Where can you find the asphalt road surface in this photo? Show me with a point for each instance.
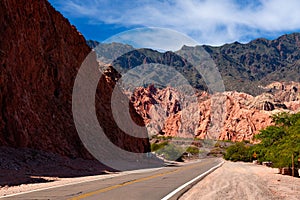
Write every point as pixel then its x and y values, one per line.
pixel 140 185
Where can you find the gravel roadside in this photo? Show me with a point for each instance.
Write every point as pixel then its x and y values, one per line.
pixel 245 181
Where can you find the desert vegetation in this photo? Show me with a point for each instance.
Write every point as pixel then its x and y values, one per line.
pixel 277 143
pixel 174 148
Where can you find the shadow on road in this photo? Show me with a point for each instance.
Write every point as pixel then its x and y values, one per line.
pixel 23 166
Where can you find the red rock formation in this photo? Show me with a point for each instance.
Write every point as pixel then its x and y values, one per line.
pixel 293 106
pixel 239 121
pixel 233 116
pixel 40 54
pixel 285 91
pixel 166 116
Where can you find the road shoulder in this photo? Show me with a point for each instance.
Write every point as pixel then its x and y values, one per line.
pixel 245 181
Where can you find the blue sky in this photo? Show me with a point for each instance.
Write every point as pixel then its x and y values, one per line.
pixel 213 22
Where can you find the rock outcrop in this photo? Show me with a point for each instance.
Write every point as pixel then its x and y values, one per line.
pixel 40 54
pixel 227 116
pixel 284 91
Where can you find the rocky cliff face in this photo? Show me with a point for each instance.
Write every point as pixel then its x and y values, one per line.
pixel 117 135
pixel 157 117
pixel 233 116
pixel 40 54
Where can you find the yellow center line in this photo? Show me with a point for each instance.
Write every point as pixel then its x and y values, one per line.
pixel 127 183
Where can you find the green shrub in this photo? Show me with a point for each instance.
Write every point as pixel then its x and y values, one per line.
pixel 192 150
pixel 157 146
pixel 171 152
pixel 238 152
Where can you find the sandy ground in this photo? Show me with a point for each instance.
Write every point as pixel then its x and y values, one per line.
pixel 245 181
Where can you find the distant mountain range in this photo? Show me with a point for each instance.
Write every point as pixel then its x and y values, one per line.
pixel 243 67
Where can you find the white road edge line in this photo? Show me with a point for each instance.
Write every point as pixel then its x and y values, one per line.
pixel 191 181
pixel 68 184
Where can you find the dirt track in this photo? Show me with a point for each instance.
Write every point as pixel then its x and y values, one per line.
pixel 245 181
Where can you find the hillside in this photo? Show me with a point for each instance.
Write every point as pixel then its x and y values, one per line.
pixel 260 62
pixel 243 67
pixel 261 78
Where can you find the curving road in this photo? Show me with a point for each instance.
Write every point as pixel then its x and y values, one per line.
pixel 141 184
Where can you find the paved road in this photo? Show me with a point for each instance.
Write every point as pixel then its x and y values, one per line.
pixel 149 184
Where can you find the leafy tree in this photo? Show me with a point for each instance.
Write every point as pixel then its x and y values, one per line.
pixel 277 143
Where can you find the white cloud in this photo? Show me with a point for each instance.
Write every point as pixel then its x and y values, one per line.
pixel 207 21
pixel 161 39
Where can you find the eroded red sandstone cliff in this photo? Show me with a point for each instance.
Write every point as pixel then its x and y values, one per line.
pixel 40 54
pixel 232 116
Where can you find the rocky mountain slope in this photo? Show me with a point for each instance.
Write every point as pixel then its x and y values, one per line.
pixel 40 54
pixel 225 116
pixel 246 69
pixel 260 62
pixel 243 67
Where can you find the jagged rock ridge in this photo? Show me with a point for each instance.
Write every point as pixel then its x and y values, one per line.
pixel 239 116
pixel 243 67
